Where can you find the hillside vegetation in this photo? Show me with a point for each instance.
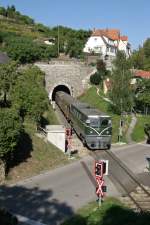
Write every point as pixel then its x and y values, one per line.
pixel 23 39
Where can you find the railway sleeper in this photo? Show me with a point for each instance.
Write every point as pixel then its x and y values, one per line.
pixel 140 190
pixel 129 203
pixel 140 195
pixel 143 203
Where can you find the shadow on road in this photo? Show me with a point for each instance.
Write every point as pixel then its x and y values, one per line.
pixel 35 204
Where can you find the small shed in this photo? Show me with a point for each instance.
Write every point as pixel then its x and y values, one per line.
pixel 56 134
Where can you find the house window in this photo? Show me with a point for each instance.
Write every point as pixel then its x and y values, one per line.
pixel 112 49
pixel 106 57
pixel 107 49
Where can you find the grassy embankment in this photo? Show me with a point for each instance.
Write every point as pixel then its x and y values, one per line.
pixel 93 99
pixel 112 212
pixel 34 154
pixel 138 133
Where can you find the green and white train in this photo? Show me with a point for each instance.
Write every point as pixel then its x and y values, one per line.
pixel 92 126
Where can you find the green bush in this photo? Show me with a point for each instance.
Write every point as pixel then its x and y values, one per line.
pixel 95 79
pixel 25 50
pixel 29 95
pixel 10 131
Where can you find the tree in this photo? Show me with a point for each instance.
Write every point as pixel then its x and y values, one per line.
pixel 29 95
pixel 8 75
pixel 121 92
pixel 101 73
pixel 95 79
pixel 11 11
pixel 137 59
pixel 25 50
pixel 10 131
pixel 141 57
pixel 142 97
pixel 146 48
pixel 71 42
pixel 2 11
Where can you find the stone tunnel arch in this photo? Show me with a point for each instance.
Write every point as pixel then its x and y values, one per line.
pixel 59 87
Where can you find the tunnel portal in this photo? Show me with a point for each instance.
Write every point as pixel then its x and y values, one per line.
pixel 60 88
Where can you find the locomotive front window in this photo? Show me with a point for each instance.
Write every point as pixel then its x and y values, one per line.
pixel 106 122
pixel 94 122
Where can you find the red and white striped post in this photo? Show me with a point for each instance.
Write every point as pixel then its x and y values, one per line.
pixel 69 140
pixel 99 172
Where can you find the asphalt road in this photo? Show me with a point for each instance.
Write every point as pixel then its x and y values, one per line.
pixel 53 196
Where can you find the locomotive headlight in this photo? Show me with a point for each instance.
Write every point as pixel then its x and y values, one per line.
pixel 107 132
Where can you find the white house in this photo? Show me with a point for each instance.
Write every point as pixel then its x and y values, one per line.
pixel 50 41
pixel 106 42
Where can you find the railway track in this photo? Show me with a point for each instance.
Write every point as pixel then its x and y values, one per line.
pixel 134 194
pixel 76 142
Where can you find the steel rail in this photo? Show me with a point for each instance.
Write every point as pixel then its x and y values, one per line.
pixel 95 155
pixel 124 167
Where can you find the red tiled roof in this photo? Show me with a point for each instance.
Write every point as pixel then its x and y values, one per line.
pixel 113 34
pixel 124 38
pixel 142 74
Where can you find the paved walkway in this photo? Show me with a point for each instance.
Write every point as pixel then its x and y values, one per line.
pixel 130 129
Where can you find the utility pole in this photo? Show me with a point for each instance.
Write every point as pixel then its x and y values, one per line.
pixel 58 41
pixel 120 123
pixel 121 108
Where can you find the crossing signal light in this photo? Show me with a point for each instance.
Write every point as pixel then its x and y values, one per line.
pixel 105 166
pixel 98 169
pixel 104 188
pixel 68 131
pixel 101 168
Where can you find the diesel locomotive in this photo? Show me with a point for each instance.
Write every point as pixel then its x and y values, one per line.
pixel 92 126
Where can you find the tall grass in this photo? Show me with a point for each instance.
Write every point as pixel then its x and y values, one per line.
pixel 138 133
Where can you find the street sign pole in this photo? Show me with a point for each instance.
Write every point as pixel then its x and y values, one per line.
pixel 100 169
pixel 99 202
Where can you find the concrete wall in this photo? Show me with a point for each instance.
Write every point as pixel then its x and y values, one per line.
pixel 56 135
pixel 73 75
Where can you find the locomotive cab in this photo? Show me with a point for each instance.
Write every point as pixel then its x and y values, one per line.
pixel 98 132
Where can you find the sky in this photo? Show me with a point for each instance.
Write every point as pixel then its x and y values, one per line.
pixel 132 17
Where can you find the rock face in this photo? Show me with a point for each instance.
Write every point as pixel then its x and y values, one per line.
pixel 71 74
pixel 2 171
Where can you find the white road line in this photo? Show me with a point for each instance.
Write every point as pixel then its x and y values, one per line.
pixel 27 220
